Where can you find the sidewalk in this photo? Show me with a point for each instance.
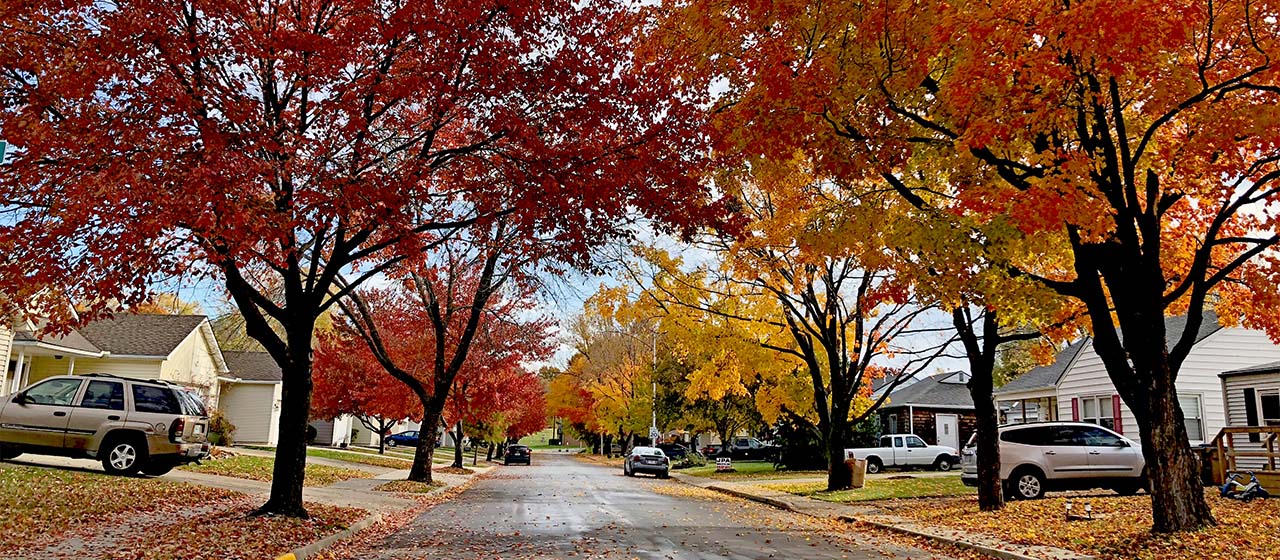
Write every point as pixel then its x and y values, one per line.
pixel 870 515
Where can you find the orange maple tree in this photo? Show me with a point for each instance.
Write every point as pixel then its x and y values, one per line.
pixel 348 380
pixel 1134 143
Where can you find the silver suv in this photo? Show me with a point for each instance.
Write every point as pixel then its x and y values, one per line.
pixel 1045 456
pixel 130 425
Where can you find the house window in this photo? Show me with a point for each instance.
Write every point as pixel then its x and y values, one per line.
pixel 1270 407
pixel 1192 416
pixel 1098 410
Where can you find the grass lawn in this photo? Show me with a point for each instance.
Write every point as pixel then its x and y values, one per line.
pixel 259 468
pixel 882 489
pixel 362 458
pixel 1122 529
pixel 40 504
pixel 744 470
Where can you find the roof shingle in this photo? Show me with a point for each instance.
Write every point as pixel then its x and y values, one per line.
pixel 141 334
pixel 934 390
pixel 253 366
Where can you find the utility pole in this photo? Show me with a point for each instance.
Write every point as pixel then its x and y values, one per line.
pixel 654 434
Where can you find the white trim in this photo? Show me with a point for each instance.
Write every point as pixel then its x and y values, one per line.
pixel 56 348
pixel 246 381
pixel 206 329
pixel 135 357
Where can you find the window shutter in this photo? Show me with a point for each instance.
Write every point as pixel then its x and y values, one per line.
pixel 1251 412
pixel 1075 409
pixel 1115 413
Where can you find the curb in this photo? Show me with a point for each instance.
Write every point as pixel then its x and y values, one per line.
pixel 899 528
pixel 959 543
pixel 310 550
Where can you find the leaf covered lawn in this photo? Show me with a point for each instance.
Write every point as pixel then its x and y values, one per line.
pixel 410 487
pixel 235 535
pixel 747 470
pixel 1244 531
pixel 362 458
pixel 881 489
pixel 259 468
pixel 40 504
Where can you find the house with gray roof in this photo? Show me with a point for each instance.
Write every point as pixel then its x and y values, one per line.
pixel 250 396
pixel 937 408
pixel 1223 363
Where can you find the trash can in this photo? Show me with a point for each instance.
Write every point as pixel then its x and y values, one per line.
pixel 857 472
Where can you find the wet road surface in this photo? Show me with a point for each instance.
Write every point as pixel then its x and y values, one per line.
pixel 561 507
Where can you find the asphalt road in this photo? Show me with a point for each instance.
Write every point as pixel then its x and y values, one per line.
pixel 561 507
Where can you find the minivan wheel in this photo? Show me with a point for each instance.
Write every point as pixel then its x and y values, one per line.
pixel 123 455
pixel 1028 485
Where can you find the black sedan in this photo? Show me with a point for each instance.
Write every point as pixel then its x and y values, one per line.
pixel 673 451
pixel 518 454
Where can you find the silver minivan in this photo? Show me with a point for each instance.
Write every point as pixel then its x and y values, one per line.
pixel 1038 457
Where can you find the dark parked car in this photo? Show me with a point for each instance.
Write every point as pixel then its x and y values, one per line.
pixel 752 449
pixel 409 439
pixel 673 451
pixel 711 450
pixel 646 460
pixel 518 454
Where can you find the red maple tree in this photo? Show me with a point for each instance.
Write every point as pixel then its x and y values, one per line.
pixel 348 380
pixel 278 145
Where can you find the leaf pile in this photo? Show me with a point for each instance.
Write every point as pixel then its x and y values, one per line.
pixel 260 469
pixel 41 504
pixel 235 535
pixel 454 470
pixel 1245 530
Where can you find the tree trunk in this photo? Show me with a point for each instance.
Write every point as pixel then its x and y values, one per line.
pixel 982 363
pixel 289 472
pixel 457 446
pixel 382 437
pixel 421 470
pixel 1177 494
pixel 839 477
pixel 608 445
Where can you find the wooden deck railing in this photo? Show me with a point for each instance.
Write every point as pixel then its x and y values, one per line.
pixel 1228 450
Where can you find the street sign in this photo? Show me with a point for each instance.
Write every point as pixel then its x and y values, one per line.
pixel 654 434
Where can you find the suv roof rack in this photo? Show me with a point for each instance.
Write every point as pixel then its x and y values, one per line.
pixel 132 379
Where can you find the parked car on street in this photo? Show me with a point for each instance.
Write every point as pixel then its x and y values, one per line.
pixel 752 449
pixel 518 454
pixel 673 451
pixel 905 451
pixel 712 450
pixel 1038 457
pixel 647 460
pixel 408 439
pixel 129 425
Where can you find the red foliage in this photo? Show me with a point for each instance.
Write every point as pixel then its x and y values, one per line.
pixel 348 380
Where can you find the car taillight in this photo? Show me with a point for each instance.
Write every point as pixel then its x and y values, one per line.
pixel 179 427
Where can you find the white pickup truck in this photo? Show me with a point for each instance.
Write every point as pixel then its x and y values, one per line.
pixel 905 451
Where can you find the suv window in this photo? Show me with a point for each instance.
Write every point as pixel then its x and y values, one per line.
pixel 54 392
pixel 159 400
pixel 1067 436
pixel 1098 438
pixel 741 442
pixel 1027 436
pixel 192 403
pixel 105 395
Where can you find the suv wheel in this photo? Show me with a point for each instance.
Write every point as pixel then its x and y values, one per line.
pixel 8 452
pixel 1027 484
pixel 123 455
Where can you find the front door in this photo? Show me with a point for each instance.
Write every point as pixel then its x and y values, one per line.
pixel 948 427
pixel 1065 453
pixel 1109 455
pixel 39 415
pixel 917 454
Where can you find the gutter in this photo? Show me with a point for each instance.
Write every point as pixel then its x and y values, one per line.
pixel 247 381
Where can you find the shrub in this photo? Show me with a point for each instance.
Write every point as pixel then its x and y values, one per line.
pixel 693 459
pixel 221 430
